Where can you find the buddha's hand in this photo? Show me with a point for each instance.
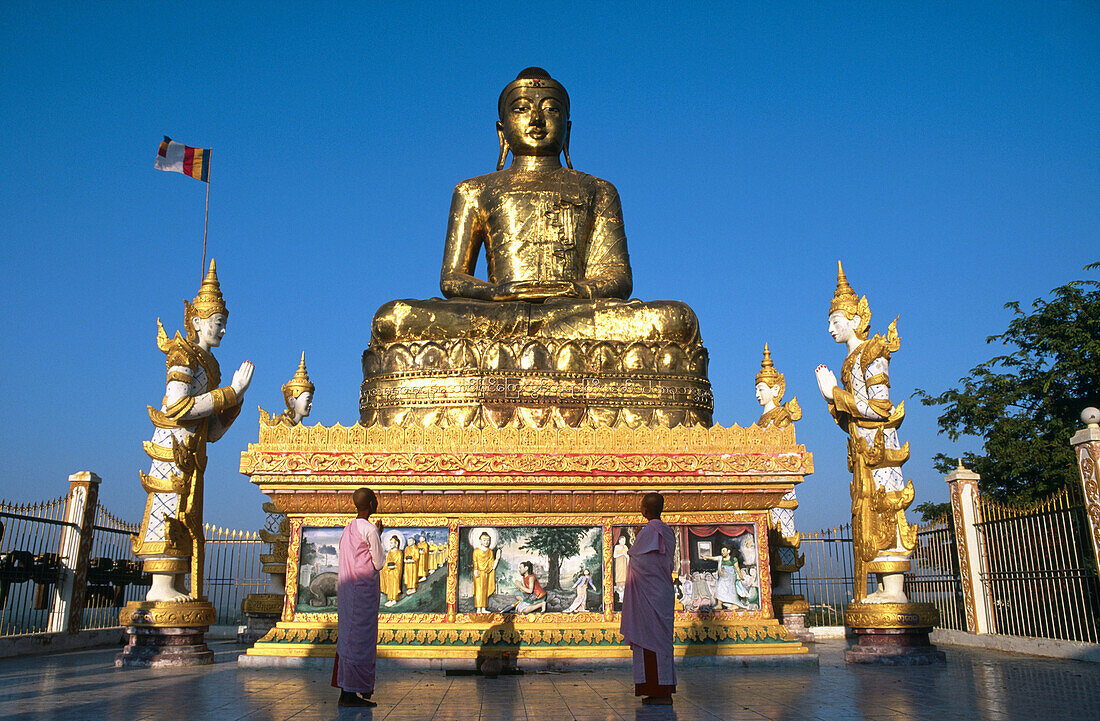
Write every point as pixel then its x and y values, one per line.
pixel 242 377
pixel 826 382
pixel 535 290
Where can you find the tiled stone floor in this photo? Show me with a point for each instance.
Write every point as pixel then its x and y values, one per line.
pixel 84 685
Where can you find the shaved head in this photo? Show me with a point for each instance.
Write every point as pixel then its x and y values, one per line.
pixel 652 505
pixel 365 500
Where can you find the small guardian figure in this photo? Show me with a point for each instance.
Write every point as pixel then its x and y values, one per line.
pixel 786 560
pixel 196 409
pixel 861 406
pixel 770 386
pixel 298 396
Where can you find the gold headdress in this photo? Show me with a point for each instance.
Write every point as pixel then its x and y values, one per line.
pixel 208 302
pixel 847 302
pixel 299 384
pixel 769 376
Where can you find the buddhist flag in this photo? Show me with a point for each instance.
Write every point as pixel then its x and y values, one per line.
pixel 180 158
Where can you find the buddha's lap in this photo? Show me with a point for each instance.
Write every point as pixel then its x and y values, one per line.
pixel 602 319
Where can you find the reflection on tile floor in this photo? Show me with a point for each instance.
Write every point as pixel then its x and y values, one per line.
pixel 84 685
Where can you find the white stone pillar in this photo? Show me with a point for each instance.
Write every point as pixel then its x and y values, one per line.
pixel 67 606
pixel 1086 446
pixel 964 510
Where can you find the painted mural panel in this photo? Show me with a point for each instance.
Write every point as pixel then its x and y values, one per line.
pixel 413 577
pixel 530 569
pixel 717 567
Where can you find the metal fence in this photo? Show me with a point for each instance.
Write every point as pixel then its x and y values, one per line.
pixel 31 568
pixel 1036 569
pixel 232 571
pixel 114 572
pixel 935 575
pixel 826 579
pixel 29 565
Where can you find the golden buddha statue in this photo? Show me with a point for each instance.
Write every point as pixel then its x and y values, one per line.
pixel 550 336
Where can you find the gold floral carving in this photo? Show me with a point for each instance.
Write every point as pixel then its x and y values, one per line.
pixel 163 614
pixel 965 570
pixel 696 439
pixel 350 462
pixel 524 501
pixel 270 604
pixel 891 615
pixel 1088 462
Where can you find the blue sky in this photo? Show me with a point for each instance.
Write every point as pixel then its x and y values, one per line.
pixel 948 153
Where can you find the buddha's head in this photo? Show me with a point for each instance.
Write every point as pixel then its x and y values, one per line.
pixel 298 392
pixel 849 314
pixel 770 384
pixel 485 539
pixel 533 113
pixel 394 543
pixel 205 317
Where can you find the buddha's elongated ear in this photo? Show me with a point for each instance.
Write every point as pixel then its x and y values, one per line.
pixel 503 146
pixel 565 145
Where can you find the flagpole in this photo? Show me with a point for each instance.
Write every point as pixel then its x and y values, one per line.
pixel 205 224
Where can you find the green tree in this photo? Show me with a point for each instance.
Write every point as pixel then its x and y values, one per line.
pixel 1026 403
pixel 930 511
pixel 558 543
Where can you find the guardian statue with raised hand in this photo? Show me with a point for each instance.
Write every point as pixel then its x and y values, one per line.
pixel 861 406
pixel 196 409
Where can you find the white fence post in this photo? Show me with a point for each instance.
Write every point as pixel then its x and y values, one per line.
pixel 67 606
pixel 1086 446
pixel 964 510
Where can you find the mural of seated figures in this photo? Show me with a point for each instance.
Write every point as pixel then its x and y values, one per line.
pixel 530 569
pixel 718 568
pixel 413 577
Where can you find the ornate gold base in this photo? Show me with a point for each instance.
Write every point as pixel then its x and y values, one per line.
pixel 891 615
pixel 163 614
pixel 784 605
pixel 534 639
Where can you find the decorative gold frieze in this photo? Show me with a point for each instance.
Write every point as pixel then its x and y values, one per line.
pixel 891 615
pixel 167 614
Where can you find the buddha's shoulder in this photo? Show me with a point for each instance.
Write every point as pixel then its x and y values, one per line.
pixel 507 179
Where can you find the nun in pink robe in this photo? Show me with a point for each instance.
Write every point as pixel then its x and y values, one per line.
pixel 648 606
pixel 357 598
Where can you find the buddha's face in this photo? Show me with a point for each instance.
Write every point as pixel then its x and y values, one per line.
pixel 765 393
pixel 841 327
pixel 302 404
pixel 209 331
pixel 484 540
pixel 393 542
pixel 534 122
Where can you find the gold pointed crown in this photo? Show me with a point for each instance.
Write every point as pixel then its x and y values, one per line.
pixel 299 384
pixel 208 302
pixel 769 375
pixel 847 302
